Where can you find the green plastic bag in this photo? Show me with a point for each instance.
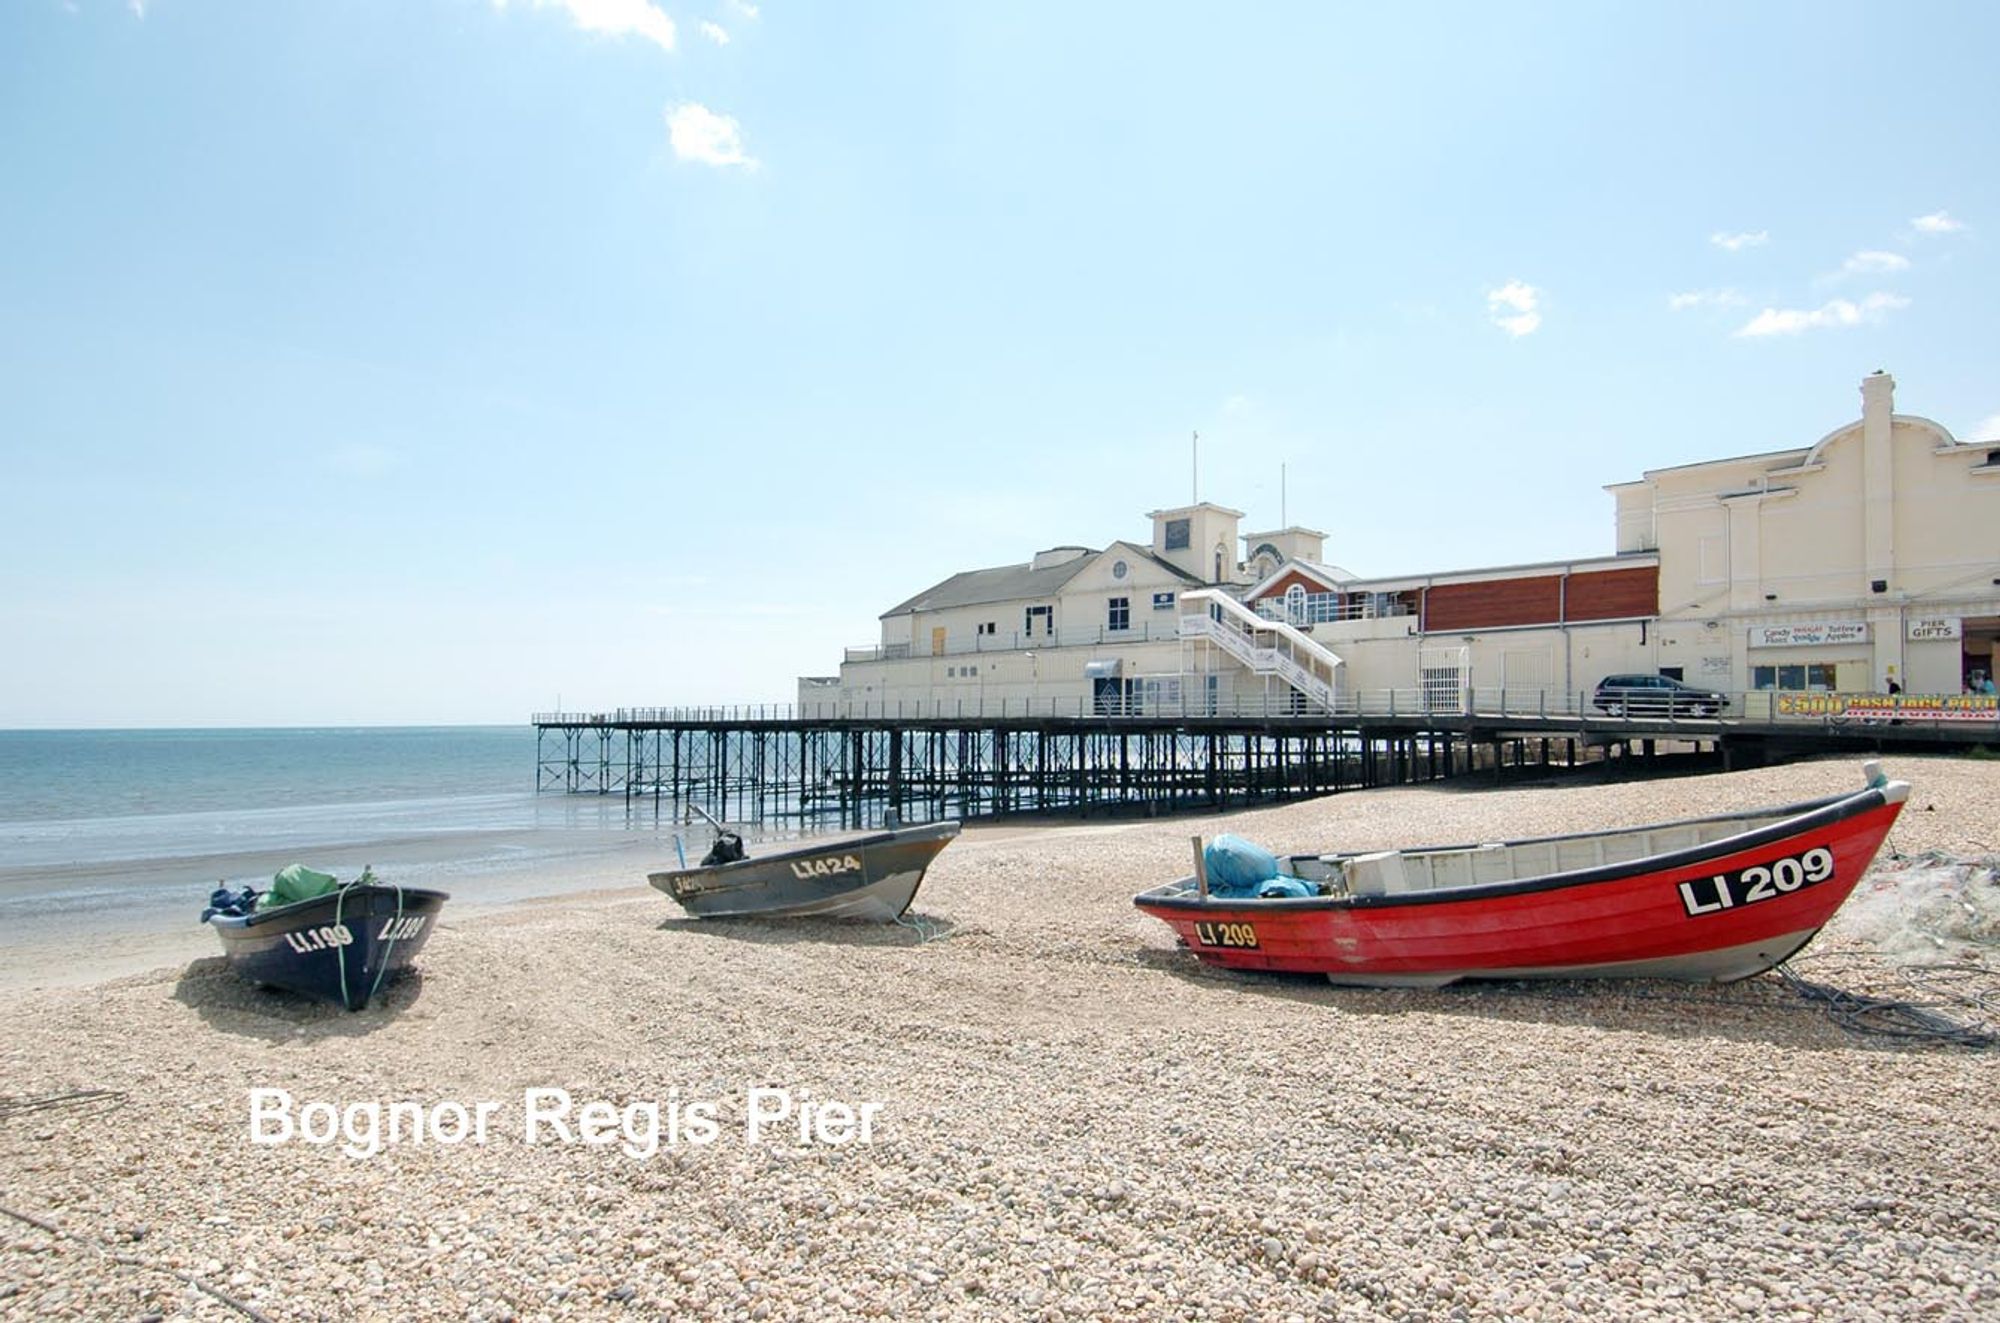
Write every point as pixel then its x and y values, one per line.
pixel 297 883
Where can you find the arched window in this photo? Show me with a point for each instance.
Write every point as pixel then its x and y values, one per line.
pixel 1295 604
pixel 1220 552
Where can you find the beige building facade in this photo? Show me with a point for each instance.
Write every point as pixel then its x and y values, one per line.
pixel 1869 556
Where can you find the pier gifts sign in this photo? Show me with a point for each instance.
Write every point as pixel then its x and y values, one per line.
pixel 1923 629
pixel 1825 633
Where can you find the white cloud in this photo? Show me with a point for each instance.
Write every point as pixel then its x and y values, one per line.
pixel 1989 430
pixel 745 8
pixel 1874 262
pixel 138 8
pixel 1839 312
pixel 616 18
pixel 700 134
pixel 715 32
pixel 1705 298
pixel 1938 222
pixel 1736 243
pixel 1514 308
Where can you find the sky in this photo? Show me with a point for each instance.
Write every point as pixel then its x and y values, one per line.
pixel 444 361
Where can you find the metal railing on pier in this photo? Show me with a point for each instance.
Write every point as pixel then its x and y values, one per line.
pixel 1478 703
pixel 1164 629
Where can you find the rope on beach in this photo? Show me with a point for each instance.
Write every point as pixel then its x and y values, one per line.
pixel 133 1261
pixel 925 930
pixel 77 1098
pixel 1895 1017
pixel 1975 987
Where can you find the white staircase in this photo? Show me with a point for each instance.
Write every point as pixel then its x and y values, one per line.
pixel 1266 647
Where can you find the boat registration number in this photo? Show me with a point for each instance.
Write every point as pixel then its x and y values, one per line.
pixel 826 866
pixel 308 940
pixel 1780 877
pixel 1225 934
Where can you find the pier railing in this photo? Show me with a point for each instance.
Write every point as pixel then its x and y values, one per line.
pixel 1833 710
pixel 1142 630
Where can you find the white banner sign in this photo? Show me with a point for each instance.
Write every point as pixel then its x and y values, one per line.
pixel 1824 634
pixel 1934 627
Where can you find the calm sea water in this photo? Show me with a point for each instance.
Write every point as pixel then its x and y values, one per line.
pixel 80 797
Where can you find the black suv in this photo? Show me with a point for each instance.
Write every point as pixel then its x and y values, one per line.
pixel 1655 696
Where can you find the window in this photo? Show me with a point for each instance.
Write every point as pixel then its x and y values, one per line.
pixel 1045 614
pixel 1177 534
pixel 986 627
pixel 1118 569
pixel 1120 615
pixel 1798 677
pixel 1163 601
pixel 1295 604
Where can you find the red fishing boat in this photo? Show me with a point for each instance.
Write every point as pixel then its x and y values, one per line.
pixel 1705 900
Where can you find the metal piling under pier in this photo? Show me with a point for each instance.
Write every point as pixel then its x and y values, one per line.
pixel 851 773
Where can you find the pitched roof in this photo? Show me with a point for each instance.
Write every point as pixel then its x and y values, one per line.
pixel 1332 576
pixel 1003 583
pixel 1008 583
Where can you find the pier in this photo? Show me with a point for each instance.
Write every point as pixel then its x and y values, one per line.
pixel 778 767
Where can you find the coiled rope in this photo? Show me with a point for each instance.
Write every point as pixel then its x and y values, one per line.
pixel 1928 1020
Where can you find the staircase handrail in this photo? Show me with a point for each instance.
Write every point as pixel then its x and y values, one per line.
pixel 1249 620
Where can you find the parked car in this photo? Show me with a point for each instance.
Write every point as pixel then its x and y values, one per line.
pixel 1656 696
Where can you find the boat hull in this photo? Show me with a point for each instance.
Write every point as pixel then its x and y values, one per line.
pixel 871 878
pixel 1709 914
pixel 338 948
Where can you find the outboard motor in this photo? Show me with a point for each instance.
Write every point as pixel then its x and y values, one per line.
pixel 728 848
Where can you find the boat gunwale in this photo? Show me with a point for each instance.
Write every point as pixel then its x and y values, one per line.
pixel 1798 819
pixel 257 918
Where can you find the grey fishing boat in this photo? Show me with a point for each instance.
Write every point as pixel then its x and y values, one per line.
pixel 872 876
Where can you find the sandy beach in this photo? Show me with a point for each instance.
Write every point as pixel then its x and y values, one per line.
pixel 1072 1118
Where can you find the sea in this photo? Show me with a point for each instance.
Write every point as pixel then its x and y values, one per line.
pixel 97 796
pixel 121 819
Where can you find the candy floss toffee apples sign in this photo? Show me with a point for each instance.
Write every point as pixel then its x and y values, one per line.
pixel 638 1129
pixel 1823 634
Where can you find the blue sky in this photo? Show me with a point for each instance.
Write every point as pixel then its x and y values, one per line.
pixel 413 361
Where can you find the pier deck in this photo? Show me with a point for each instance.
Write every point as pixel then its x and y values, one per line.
pixel 771 765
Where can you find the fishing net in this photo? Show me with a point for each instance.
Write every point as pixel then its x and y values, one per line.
pixel 1926 909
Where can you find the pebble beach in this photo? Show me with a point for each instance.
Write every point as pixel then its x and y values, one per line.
pixel 1073 1118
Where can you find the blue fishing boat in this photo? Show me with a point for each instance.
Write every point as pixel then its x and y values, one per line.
pixel 334 943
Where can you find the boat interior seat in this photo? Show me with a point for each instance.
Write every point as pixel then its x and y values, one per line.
pixel 1378 874
pixel 1389 872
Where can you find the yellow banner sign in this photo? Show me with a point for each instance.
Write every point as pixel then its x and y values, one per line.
pixel 1887 707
